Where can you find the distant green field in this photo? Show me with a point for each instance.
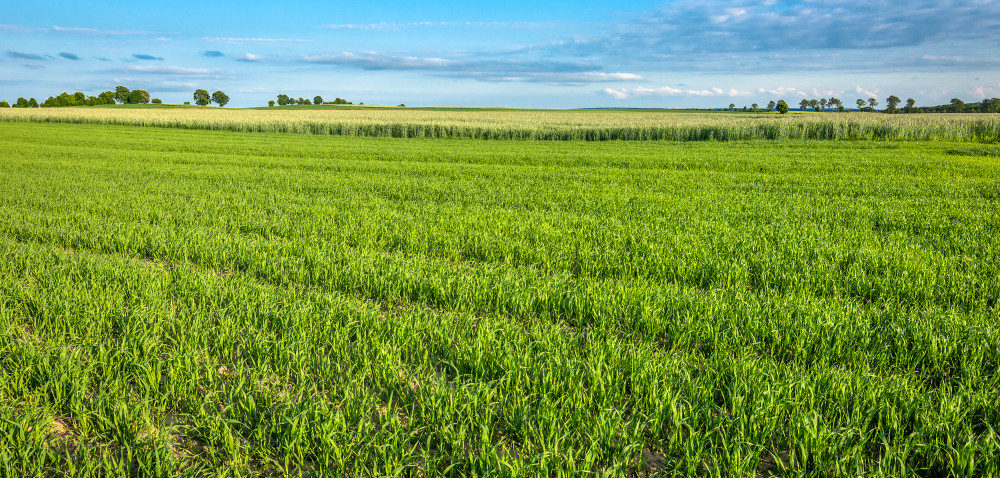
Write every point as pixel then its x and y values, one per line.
pixel 213 303
pixel 524 124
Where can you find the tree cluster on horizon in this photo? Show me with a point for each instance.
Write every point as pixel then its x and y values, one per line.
pixel 892 106
pixel 202 98
pixel 285 100
pixel 121 95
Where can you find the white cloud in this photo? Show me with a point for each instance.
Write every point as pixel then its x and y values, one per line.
pixel 626 93
pixel 873 93
pixel 784 91
pixel 982 92
pixel 824 93
pixel 617 94
pixel 250 57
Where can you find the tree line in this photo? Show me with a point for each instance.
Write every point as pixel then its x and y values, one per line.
pixel 988 105
pixel 284 100
pixel 780 106
pixel 893 102
pixel 121 95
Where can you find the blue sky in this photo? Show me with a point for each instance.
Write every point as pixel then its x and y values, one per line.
pixel 675 54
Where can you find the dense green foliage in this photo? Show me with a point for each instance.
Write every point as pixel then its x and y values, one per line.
pixel 197 302
pixel 988 105
pixel 201 97
pixel 137 97
pixel 220 98
pixel 285 100
pixel 123 96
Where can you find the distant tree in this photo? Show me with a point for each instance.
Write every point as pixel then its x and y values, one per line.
pixel 822 104
pixel 990 105
pixel 156 101
pixel 835 102
pixel 201 97
pixel 4 104
pixel 283 100
pixel 318 100
pixel 957 105
pixel 770 105
pixel 108 97
pixel 891 104
pixel 814 104
pixel 401 105
pixel 782 107
pixel 138 97
pixel 32 103
pixel 187 102
pixel 270 103
pixel 861 104
pixel 732 106
pixel 22 102
pixel 872 102
pixel 220 98
pixel 754 107
pixel 121 94
pixel 804 104
pixel 302 101
pixel 306 101
pixel 60 100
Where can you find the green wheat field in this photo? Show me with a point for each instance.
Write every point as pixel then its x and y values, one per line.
pixel 187 293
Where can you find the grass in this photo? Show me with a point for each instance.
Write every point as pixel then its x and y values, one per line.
pixel 188 302
pixel 979 151
pixel 549 125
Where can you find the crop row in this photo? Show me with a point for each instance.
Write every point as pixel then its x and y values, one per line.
pixel 540 125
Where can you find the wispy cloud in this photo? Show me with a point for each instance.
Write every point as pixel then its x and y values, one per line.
pixel 24 56
pixel 391 26
pixel 250 57
pixel 102 33
pixel 8 28
pixel 568 78
pixel 172 70
pixel 143 56
pixel 156 86
pixel 213 54
pixel 370 60
pixel 69 56
pixel 262 41
pixel 626 93
pixel 491 70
